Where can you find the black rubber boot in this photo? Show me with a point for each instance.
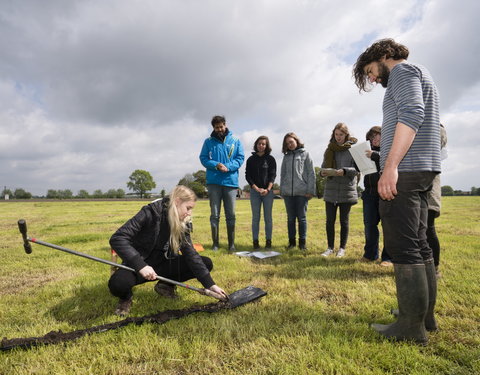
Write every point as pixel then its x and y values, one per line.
pixel 231 238
pixel 430 322
pixel 302 244
pixel 268 244
pixel 291 243
pixel 412 297
pixel 256 245
pixel 214 238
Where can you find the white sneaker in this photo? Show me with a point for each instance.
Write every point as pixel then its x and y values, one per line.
pixel 327 252
pixel 341 252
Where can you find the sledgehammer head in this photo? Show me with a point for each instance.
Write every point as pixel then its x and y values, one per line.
pixel 22 227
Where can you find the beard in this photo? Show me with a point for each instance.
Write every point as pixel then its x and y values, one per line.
pixel 383 74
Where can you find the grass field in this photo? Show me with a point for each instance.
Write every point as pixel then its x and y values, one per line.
pixel 314 320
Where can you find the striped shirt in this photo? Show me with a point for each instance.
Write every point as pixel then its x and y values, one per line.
pixel 412 98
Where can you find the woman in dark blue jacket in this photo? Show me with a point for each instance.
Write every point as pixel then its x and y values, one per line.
pixel 151 243
pixel 260 174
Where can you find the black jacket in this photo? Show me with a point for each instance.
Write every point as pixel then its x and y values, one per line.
pixel 261 170
pixel 144 240
pixel 370 181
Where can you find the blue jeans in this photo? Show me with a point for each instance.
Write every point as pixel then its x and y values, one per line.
pixel 296 207
pixel 404 219
pixel 256 202
pixel 217 194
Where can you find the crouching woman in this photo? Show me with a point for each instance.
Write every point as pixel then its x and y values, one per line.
pixel 151 243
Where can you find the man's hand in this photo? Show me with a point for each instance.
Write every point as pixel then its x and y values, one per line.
pixel 340 172
pixel 387 185
pixel 148 273
pixel 222 167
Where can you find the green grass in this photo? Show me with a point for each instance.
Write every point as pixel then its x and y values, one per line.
pixel 314 320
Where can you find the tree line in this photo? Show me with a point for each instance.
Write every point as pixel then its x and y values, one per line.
pixel 141 183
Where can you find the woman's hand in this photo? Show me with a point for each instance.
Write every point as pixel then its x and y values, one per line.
pixel 309 196
pixel 340 172
pixel 216 289
pixel 148 273
pixel 323 173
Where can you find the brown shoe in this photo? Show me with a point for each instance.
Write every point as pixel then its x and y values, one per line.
pixel 166 290
pixel 123 307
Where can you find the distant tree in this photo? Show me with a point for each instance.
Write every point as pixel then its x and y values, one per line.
pixel 187 180
pixel 97 194
pixel 83 194
pixel 163 193
pixel 247 188
pixel 276 186
pixel 458 192
pixel 52 194
pixel 120 194
pixel 65 194
pixel 140 182
pixel 196 182
pixel 198 189
pixel 111 193
pixel 22 194
pixel 200 176
pixel 475 191
pixel 447 191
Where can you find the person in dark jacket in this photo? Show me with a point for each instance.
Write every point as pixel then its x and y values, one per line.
pixel 260 174
pixel 341 187
pixel 151 242
pixel 370 197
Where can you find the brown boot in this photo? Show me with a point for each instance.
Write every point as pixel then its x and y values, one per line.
pixel 123 307
pixel 166 290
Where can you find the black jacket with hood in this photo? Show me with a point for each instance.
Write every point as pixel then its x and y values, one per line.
pixel 144 240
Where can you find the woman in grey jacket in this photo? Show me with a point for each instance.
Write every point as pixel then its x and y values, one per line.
pixel 340 187
pixel 297 186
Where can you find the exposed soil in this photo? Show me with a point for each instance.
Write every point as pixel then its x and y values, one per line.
pixel 237 298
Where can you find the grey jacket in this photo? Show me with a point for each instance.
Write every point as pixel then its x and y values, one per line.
pixel 342 189
pixel 297 175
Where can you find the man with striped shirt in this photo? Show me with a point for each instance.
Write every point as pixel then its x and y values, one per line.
pixel 409 161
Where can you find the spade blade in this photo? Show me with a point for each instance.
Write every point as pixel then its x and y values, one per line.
pixel 243 296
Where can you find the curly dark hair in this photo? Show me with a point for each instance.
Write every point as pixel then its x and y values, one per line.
pixel 383 47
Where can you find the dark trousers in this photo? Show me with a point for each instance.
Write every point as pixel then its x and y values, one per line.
pixel 404 219
pixel 331 213
pixel 432 237
pixel 122 281
pixel 371 219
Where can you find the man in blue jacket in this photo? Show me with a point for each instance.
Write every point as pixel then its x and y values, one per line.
pixel 222 155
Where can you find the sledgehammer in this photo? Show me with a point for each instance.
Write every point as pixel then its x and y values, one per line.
pixel 22 226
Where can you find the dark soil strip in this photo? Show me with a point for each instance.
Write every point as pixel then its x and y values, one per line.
pixel 237 298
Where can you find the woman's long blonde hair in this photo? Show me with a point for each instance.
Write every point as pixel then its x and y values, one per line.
pixel 178 228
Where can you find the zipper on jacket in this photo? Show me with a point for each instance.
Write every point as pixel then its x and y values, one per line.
pixel 293 169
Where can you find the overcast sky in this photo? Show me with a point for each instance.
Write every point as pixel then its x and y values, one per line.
pixel 92 90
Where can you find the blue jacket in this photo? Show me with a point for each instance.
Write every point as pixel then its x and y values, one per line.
pixel 229 152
